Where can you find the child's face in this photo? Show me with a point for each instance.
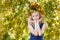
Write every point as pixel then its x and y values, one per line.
pixel 35 16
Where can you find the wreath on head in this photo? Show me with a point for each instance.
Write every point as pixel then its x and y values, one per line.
pixel 36 7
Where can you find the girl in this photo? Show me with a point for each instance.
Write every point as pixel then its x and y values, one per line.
pixel 36 26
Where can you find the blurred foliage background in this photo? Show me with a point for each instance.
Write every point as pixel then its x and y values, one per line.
pixel 14 15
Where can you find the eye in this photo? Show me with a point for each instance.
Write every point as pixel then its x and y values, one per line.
pixel 36 15
pixel 32 16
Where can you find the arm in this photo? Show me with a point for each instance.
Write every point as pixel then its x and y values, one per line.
pixel 41 31
pixel 33 31
pixel 42 18
pixel 45 25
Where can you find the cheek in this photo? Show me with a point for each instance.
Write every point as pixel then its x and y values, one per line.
pixel 37 17
pixel 33 17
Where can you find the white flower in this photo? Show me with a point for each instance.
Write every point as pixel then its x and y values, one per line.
pixel 56 18
pixel 17 6
pixel 2 18
pixel 12 36
pixel 32 0
pixel 58 6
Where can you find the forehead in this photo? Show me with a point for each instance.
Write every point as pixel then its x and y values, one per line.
pixel 35 13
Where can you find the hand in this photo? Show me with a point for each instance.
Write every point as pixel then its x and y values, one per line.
pixel 31 21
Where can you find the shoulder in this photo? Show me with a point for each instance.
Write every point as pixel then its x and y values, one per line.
pixel 45 24
pixel 28 19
